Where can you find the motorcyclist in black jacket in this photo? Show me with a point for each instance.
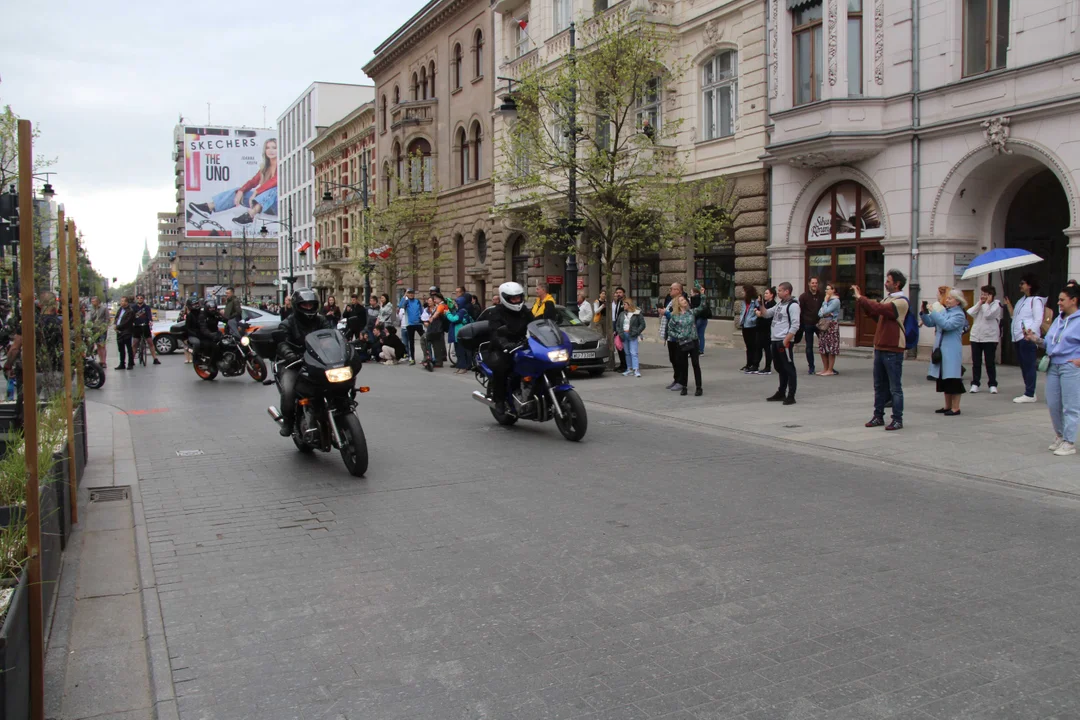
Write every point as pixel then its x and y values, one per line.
pixel 207 330
pixel 508 323
pixel 289 335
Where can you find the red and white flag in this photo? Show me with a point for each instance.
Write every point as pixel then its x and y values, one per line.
pixel 304 248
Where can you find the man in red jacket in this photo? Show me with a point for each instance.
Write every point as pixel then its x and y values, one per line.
pixel 889 348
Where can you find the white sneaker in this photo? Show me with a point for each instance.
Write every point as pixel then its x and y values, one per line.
pixel 1055 445
pixel 974 389
pixel 1067 448
pixel 637 374
pixel 1024 399
pixel 993 390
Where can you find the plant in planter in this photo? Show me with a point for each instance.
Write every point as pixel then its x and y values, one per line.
pixel 14 623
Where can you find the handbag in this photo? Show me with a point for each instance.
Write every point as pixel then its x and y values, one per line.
pixel 1044 363
pixel 618 343
pixel 688 345
pixel 935 357
pixel 596 317
pixel 824 325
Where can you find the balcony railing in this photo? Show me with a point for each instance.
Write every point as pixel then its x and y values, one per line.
pixel 413 112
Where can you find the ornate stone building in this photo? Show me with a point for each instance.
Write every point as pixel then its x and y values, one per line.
pixel 917 145
pixel 721 100
pixel 434 91
pixel 340 155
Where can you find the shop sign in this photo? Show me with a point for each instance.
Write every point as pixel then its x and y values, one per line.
pixel 554 279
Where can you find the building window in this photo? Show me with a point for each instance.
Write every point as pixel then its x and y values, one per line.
pixel 463 156
pixel 481 249
pixel 478 54
pixel 648 108
pixel 423 84
pixel 415 87
pixel 420 166
pixel 714 270
pixel 522 43
pixel 986 35
pixel 720 94
pixel 599 6
pixel 602 133
pixel 854 48
pixel 519 263
pixel 399 163
pixel 386 180
pixel 455 67
pixel 431 79
pixel 808 45
pixel 477 145
pixel 562 15
pixel 644 287
pixel 397 95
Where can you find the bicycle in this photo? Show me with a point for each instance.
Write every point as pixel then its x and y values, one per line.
pixel 140 350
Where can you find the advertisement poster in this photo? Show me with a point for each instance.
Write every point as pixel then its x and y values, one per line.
pixel 855 216
pixel 230 181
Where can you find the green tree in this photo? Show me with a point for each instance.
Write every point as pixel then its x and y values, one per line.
pixel 593 116
pixel 404 225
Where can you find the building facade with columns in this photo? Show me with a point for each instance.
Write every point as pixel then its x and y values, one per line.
pixel 434 81
pixel 343 155
pixel 916 135
pixel 721 102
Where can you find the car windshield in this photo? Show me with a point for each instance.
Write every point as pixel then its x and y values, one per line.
pixel 566 318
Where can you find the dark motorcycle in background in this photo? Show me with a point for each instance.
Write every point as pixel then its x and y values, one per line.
pixel 93 373
pixel 325 412
pixel 235 357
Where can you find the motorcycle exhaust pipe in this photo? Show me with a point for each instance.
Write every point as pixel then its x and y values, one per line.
pixel 482 398
pixel 274 413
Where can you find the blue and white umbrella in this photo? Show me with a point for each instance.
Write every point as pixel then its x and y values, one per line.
pixel 1000 259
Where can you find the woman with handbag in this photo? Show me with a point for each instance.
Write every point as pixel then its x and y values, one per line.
pixel 947 357
pixel 747 321
pixel 633 324
pixel 764 331
pixel 681 330
pixel 1062 366
pixel 828 328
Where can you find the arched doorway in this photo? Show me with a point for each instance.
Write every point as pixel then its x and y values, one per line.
pixel 843 246
pixel 1037 218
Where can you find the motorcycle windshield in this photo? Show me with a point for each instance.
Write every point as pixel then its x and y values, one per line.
pixel 546 333
pixel 326 349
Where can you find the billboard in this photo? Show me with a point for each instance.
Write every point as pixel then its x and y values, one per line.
pixel 230 181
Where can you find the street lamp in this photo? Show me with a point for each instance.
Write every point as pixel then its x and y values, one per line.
pixel 365 264
pixel 288 225
pixel 572 226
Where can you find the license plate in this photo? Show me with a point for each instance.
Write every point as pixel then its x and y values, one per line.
pixel 583 355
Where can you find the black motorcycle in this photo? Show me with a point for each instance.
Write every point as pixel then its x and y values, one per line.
pixel 93 373
pixel 235 357
pixel 325 413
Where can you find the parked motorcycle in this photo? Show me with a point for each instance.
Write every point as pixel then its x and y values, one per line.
pixel 93 373
pixel 235 357
pixel 537 388
pixel 325 413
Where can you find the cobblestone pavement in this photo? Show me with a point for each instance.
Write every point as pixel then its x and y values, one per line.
pixel 654 570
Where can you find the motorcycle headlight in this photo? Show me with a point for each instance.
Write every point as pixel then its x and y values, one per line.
pixel 340 374
pixel 245 341
pixel 558 356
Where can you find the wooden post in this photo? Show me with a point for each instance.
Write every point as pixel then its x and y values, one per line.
pixel 30 413
pixel 65 294
pixel 76 311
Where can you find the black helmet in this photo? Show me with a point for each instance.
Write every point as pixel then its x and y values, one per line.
pixel 305 303
pixel 192 303
pixel 210 304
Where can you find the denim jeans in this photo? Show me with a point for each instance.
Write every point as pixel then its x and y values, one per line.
pixel 888 382
pixel 464 357
pixel 631 346
pixel 785 368
pixel 1063 399
pixel 1025 353
pixel 226 200
pixel 808 338
pixel 980 350
pixel 700 324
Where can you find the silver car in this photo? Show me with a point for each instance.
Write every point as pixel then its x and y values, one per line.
pixel 591 348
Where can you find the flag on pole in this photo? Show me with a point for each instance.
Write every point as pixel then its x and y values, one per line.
pixel 304 248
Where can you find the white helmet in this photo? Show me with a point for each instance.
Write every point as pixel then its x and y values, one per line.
pixel 512 296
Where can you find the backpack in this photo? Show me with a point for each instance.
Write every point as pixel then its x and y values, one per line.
pixel 911 327
pixel 798 333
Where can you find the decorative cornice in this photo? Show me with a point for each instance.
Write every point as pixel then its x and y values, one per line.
pixel 414 31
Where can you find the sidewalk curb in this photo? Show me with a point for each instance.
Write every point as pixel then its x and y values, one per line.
pixel 162 692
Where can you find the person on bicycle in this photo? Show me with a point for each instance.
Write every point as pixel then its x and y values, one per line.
pixel 141 331
pixel 289 335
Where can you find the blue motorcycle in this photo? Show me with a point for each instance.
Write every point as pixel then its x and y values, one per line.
pixel 536 388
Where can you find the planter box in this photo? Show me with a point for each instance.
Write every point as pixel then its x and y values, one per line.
pixel 50 547
pixel 58 478
pixel 10 415
pixel 15 656
pixel 81 449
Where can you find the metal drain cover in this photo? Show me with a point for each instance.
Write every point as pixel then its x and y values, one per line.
pixel 790 427
pixel 188 453
pixel 109 494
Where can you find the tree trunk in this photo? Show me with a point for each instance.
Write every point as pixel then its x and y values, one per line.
pixel 607 319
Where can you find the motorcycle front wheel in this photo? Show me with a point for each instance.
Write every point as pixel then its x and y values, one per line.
pixel 354 450
pixel 256 368
pixel 574 421
pixel 93 375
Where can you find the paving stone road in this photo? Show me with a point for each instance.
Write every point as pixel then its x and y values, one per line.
pixel 651 571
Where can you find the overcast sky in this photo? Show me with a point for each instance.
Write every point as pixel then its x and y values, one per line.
pixel 105 82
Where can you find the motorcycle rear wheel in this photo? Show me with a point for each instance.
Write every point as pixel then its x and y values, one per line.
pixel 204 369
pixel 503 418
pixel 575 421
pixel 256 368
pixel 354 451
pixel 93 375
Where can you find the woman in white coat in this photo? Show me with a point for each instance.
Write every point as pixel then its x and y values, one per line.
pixel 985 336
pixel 1027 315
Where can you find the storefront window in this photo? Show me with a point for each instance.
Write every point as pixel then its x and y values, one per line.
pixel 644 287
pixel 715 273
